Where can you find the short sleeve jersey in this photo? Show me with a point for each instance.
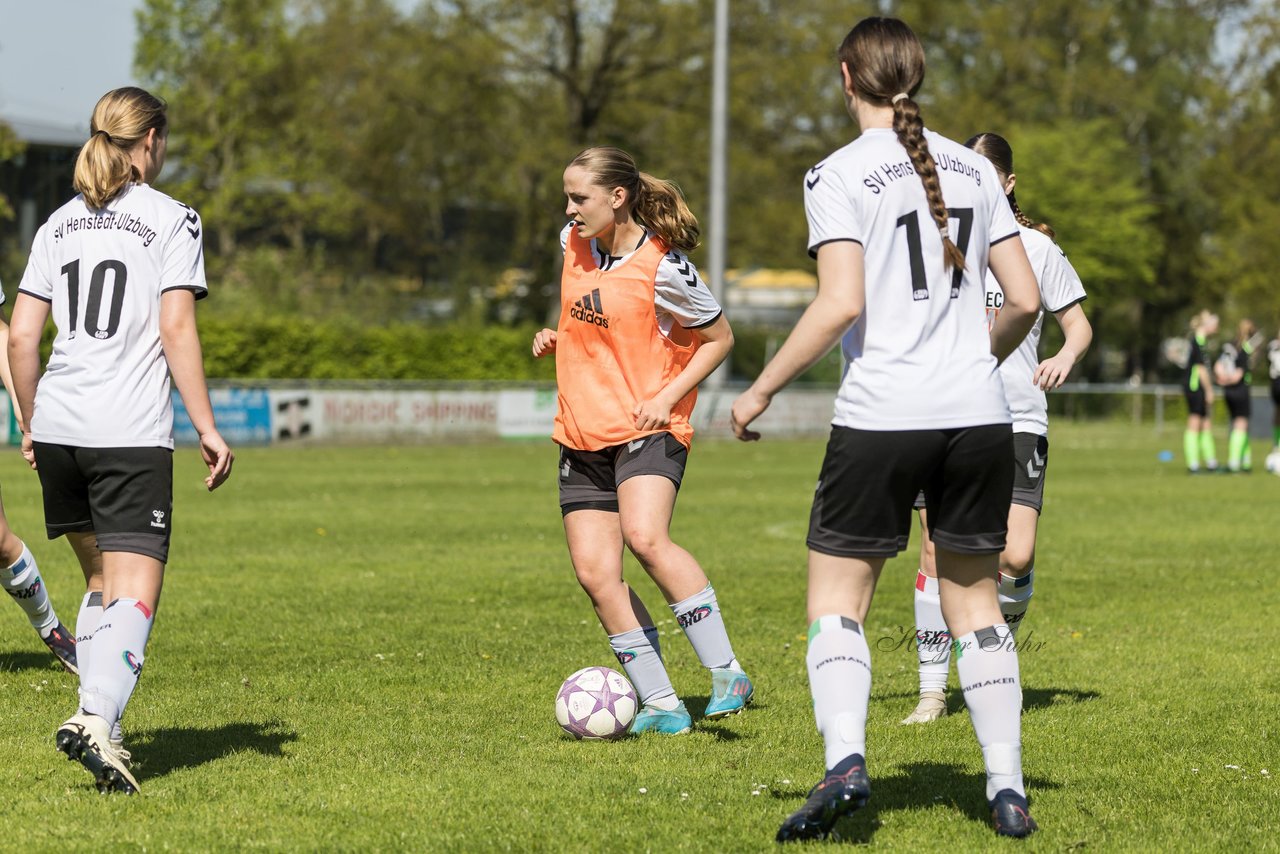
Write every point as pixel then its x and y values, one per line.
pixel 680 295
pixel 1060 288
pixel 1237 357
pixel 102 271
pixel 919 357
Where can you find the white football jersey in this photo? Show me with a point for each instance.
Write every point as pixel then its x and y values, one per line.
pixel 679 293
pixel 1273 359
pixel 107 381
pixel 1060 288
pixel 919 357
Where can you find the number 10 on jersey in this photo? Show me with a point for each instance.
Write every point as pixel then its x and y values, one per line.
pixel 97 283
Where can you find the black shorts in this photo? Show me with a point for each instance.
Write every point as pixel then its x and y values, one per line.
pixel 1030 460
pixel 870 479
pixel 589 480
pixel 1275 391
pixel 1237 398
pixel 123 495
pixel 1196 402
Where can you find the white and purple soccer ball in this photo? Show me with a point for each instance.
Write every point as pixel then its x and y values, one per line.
pixel 596 703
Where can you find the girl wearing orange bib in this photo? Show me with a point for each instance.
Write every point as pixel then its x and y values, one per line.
pixel 638 331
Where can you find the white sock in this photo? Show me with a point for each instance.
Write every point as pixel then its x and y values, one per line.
pixel 24 584
pixel 933 641
pixel 1015 596
pixel 840 680
pixel 638 653
pixel 119 650
pixel 987 664
pixel 699 616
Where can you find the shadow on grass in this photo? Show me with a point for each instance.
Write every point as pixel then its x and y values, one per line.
pixel 161 751
pixel 16 661
pixel 1032 698
pixel 919 785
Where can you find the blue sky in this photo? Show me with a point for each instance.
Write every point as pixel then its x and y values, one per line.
pixel 57 57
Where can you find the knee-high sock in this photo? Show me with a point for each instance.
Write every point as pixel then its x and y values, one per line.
pixel 1191 449
pixel 1208 449
pixel 987 664
pixel 1015 596
pixel 699 616
pixel 1236 445
pixel 840 679
pixel 24 584
pixel 86 624
pixel 640 656
pixel 933 641
pixel 115 662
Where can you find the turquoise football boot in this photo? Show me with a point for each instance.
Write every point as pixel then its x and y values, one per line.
pixel 731 690
pixel 668 722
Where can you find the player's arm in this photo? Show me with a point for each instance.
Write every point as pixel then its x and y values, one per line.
pixel 180 340
pixel 6 375
pixel 1227 373
pixel 1078 335
pixel 838 305
pixel 29 317
pixel 715 343
pixel 1008 261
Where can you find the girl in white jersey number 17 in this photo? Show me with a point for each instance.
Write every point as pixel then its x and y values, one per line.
pixel 904 223
pixel 120 267
pixel 1026 379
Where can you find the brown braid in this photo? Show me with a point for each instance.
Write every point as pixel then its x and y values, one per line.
pixel 996 148
pixel 885 59
pixel 909 127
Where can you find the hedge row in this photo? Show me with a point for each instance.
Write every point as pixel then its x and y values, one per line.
pixel 294 348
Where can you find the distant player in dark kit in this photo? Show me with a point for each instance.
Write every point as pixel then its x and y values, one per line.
pixel 1197 388
pixel 119 267
pixel 638 331
pixel 904 223
pixel 1234 372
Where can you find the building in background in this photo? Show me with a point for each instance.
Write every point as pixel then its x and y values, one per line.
pixel 38 180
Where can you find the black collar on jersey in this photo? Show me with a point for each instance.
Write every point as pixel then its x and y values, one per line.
pixel 607 261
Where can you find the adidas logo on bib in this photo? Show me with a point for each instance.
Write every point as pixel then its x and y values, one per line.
pixel 589 310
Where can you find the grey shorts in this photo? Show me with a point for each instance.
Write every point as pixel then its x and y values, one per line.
pixel 589 480
pixel 1031 460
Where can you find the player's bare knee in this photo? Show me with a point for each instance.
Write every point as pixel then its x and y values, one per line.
pixel 1016 561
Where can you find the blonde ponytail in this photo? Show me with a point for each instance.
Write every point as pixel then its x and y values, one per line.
pixel 121 119
pixel 660 207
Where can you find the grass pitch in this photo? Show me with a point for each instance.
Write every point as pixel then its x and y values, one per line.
pixel 359 648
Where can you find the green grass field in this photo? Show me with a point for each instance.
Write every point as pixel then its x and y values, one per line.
pixel 359 648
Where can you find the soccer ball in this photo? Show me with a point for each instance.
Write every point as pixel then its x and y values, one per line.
pixel 1273 462
pixel 596 703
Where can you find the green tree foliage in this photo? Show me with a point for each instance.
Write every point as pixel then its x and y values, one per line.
pixel 10 147
pixel 351 154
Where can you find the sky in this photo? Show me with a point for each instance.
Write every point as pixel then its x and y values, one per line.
pixel 57 57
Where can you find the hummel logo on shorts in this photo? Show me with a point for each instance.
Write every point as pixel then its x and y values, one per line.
pixel 632 447
pixel 588 309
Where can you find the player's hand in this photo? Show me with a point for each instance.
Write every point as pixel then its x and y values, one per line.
pixel 544 342
pixel 1052 372
pixel 218 457
pixel 28 451
pixel 652 414
pixel 749 406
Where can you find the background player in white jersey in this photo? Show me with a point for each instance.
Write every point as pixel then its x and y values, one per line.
pixel 1233 371
pixel 1025 380
pixel 120 267
pixel 18 573
pixel 903 223
pixel 1273 370
pixel 638 331
pixel 1197 387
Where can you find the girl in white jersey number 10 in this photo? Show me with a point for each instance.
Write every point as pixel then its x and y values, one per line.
pixel 1026 379
pixel 120 267
pixel 904 223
